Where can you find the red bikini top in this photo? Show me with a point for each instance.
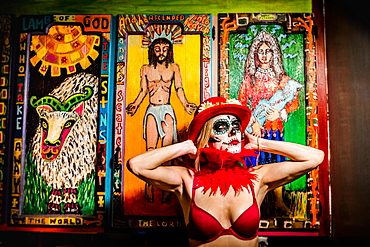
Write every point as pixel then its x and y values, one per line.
pixel 204 227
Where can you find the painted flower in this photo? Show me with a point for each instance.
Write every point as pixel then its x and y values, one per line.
pixel 233 101
pixel 205 106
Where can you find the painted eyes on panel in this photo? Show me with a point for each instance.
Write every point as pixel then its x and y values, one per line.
pixel 44 124
pixel 264 52
pixel 69 124
pixel 159 49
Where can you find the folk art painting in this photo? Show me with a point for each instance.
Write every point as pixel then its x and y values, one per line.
pixel 163 72
pixel 5 51
pixel 60 139
pixel 267 62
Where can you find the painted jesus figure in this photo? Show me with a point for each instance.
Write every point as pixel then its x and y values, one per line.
pixel 157 78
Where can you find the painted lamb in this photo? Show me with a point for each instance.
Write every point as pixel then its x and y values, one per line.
pixel 64 145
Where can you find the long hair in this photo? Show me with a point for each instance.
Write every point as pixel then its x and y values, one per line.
pixel 153 60
pixel 205 134
pixel 203 138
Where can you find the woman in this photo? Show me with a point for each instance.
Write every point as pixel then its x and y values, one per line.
pixel 220 196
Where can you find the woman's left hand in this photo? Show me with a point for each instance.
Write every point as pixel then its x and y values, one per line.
pixel 251 140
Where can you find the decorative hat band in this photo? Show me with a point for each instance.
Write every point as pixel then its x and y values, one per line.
pixel 207 104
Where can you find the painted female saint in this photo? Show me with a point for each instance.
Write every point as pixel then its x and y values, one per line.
pixel 270 94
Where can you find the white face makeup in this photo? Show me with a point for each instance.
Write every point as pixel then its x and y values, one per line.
pixel 226 133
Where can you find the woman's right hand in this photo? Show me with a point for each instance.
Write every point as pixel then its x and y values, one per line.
pixel 252 142
pixel 257 129
pixel 255 126
pixel 192 149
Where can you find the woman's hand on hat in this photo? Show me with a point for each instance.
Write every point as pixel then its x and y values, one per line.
pixel 251 140
pixel 255 126
pixel 257 129
pixel 192 149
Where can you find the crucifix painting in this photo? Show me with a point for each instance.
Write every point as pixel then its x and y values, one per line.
pixel 163 65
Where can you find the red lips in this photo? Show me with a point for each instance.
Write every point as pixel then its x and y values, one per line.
pixel 234 142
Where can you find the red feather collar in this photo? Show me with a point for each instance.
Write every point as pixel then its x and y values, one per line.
pixel 222 169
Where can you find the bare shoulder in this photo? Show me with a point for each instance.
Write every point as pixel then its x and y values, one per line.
pixel 186 173
pixel 187 176
pixel 183 170
pixel 260 187
pixel 259 170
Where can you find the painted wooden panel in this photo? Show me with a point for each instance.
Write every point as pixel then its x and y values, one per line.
pixel 60 137
pixel 168 97
pixel 268 62
pixel 5 64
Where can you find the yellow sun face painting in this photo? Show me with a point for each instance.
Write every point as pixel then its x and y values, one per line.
pixel 64 47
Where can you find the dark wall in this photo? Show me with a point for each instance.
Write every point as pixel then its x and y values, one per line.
pixel 348 59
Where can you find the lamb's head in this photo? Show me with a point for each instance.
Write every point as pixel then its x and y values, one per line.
pixel 57 120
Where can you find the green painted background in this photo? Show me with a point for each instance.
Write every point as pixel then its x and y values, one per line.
pixel 292 46
pixel 115 7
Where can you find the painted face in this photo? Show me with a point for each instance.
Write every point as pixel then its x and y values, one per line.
pixel 264 54
pixel 226 133
pixel 160 51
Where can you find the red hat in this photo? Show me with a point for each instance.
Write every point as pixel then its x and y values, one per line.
pixel 217 106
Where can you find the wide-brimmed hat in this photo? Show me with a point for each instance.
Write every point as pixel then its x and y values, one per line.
pixel 217 106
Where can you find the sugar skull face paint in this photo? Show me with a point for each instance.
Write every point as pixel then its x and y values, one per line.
pixel 226 133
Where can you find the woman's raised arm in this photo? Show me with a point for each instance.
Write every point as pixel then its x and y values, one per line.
pixel 302 160
pixel 147 166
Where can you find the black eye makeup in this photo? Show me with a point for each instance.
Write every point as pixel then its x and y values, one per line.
pixel 236 124
pixel 221 126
